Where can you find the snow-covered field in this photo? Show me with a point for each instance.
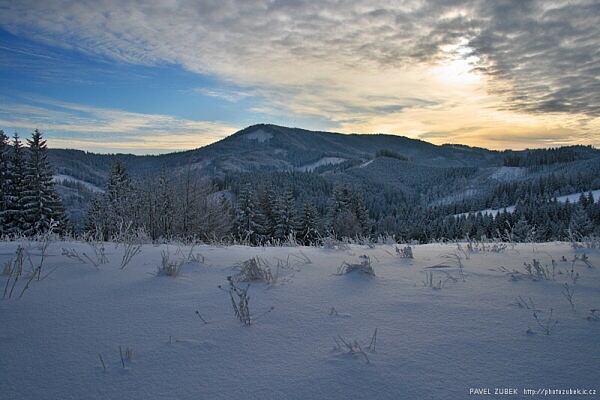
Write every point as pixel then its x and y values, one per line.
pixel 451 323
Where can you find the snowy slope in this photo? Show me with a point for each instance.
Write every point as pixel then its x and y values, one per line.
pixel 572 198
pixel 323 161
pixel 93 188
pixel 430 343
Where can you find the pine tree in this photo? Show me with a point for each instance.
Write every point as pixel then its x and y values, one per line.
pixel 267 205
pixel 348 216
pixel 41 204
pixel 285 215
pixel 4 179
pixel 522 229
pixel 361 212
pixel 96 220
pixel 308 232
pixel 247 217
pixel 113 211
pixel 14 221
pixel 580 223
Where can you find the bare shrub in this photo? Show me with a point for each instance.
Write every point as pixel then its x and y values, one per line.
pixel 253 270
pixel 568 293
pixel 364 267
pixel 98 248
pixel 352 347
pixel 405 252
pixel 132 241
pixel 547 325
pixel 536 272
pixel 168 267
pixel 16 270
pixel 240 303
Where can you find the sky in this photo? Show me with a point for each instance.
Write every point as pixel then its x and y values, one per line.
pixel 150 77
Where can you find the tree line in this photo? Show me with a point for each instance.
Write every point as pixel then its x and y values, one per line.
pixel 164 206
pixel 270 207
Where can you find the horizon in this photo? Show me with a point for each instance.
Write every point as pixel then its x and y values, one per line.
pixel 109 153
pixel 136 78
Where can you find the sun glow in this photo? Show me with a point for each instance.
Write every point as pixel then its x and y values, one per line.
pixel 457 72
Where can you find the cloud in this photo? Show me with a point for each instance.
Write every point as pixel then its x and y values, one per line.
pixel 106 130
pixel 544 56
pixel 357 64
pixel 232 96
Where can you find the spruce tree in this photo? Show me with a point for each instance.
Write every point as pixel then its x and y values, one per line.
pixel 285 215
pixel 348 216
pixel 580 223
pixel 267 204
pixel 14 221
pixel 247 217
pixel 4 179
pixel 308 232
pixel 41 204
pixel 96 220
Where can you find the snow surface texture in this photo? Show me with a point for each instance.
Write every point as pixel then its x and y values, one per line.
pixel 449 320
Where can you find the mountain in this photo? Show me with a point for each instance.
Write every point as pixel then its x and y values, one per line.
pixel 271 147
pixel 391 170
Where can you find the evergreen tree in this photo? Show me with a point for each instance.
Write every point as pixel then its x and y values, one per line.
pixel 522 230
pixel 4 179
pixel 40 202
pixel 113 211
pixel 285 215
pixel 267 205
pixel 348 216
pixel 358 207
pixel 13 214
pixel 247 219
pixel 308 231
pixel 96 221
pixel 580 224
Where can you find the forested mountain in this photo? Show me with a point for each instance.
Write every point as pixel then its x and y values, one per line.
pixel 408 188
pixel 261 147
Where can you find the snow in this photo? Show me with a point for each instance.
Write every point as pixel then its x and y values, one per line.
pixel 323 161
pixel 573 198
pixel 431 343
pixel 93 188
pixel 366 164
pixel 259 135
pixel 507 174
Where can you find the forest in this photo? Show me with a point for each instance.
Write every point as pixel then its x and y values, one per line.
pixel 390 196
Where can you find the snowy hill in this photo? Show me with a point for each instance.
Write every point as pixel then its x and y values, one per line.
pixel 448 323
pixel 275 147
pixel 397 176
